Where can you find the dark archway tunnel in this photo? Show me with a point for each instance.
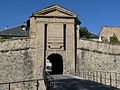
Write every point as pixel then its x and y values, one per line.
pixel 57 63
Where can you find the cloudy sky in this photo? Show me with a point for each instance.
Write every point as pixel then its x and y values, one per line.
pixel 92 13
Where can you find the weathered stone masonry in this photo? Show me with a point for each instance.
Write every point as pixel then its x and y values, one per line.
pixel 99 60
pixel 16 63
pixel 98 56
pixel 15 60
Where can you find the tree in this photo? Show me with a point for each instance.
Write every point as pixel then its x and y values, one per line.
pixel 114 40
pixel 84 33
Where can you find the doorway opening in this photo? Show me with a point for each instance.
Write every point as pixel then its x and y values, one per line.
pixel 56 63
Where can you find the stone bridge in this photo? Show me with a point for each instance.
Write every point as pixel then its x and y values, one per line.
pixel 67 82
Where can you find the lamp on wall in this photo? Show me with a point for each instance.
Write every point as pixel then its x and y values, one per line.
pixel 23 26
pixel 6 27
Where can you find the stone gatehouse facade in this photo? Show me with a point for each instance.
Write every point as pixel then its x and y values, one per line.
pixel 50 34
pixel 53 30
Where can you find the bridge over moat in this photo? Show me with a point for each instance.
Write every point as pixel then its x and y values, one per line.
pixel 87 81
pixel 64 82
pixel 58 82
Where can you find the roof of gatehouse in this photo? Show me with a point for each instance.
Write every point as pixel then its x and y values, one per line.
pixel 55 10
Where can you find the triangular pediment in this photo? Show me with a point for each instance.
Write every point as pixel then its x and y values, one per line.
pixel 55 10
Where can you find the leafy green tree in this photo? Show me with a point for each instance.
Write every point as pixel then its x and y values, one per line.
pixel 114 40
pixel 84 33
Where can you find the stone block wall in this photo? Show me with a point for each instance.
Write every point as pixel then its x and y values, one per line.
pixel 98 56
pixel 15 60
pixel 16 64
pixel 99 62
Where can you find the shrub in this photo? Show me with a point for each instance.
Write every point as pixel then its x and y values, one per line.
pixel 114 40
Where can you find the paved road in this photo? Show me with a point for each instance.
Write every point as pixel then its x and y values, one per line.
pixel 64 82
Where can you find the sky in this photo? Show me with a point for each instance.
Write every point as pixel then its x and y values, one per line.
pixel 94 14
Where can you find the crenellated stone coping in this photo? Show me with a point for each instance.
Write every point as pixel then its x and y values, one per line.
pixel 14 45
pixel 98 47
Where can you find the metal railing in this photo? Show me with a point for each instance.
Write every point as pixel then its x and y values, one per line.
pixel 49 81
pixel 29 84
pixel 107 78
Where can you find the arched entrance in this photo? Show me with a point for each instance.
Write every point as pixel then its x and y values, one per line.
pixel 57 63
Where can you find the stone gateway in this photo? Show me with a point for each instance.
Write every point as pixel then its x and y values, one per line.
pixel 50 40
pixel 53 34
pixel 50 36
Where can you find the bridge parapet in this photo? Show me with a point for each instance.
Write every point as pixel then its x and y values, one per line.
pixel 107 78
pixel 49 80
pixel 35 84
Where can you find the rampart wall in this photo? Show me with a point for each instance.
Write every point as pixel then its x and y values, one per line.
pixel 98 56
pixel 16 64
pixel 98 62
pixel 14 60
